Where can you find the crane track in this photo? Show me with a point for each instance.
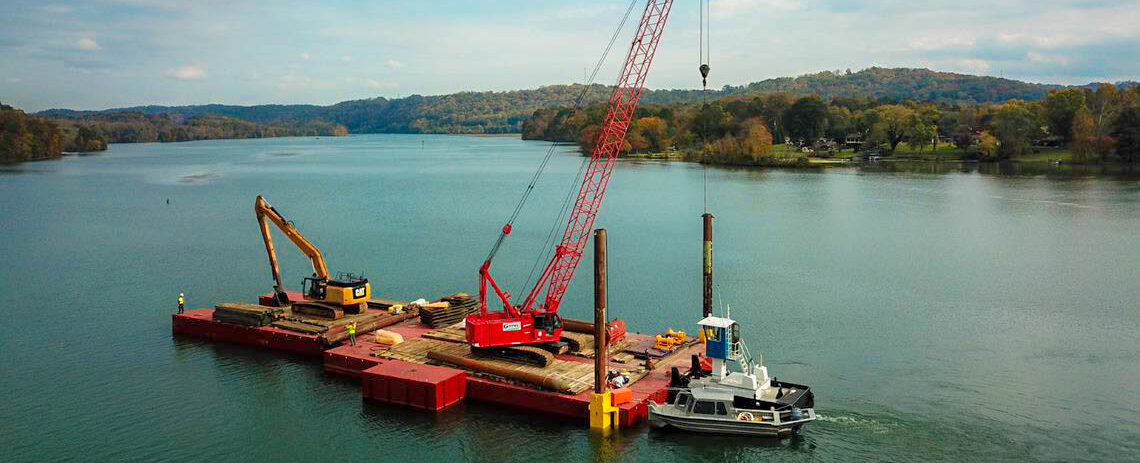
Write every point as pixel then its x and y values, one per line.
pixel 530 355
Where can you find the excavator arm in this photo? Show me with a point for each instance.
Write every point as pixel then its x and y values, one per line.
pixel 266 214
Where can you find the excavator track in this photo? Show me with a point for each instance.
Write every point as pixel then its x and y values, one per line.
pixel 530 355
pixel 317 309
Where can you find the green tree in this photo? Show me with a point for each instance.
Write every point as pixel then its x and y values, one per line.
pixel 1060 107
pixel 1083 136
pixel 932 118
pixel 1016 126
pixel 921 134
pixel 1126 131
pixel 963 136
pixel 805 119
pixel 838 123
pixel 892 124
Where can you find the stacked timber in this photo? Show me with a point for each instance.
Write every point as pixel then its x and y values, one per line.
pixel 365 323
pixel 300 326
pixel 448 311
pixel 246 314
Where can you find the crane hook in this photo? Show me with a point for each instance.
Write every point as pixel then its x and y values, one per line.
pixel 704 74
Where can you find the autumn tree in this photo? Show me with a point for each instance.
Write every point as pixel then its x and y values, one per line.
pixel 755 140
pixel 1104 104
pixel 1083 136
pixel 653 131
pixel 987 146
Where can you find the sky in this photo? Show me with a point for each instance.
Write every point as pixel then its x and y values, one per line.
pixel 98 54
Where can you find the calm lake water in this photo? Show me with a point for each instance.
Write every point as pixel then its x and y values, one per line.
pixel 942 316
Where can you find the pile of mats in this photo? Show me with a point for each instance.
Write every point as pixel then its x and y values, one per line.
pixel 448 311
pixel 246 314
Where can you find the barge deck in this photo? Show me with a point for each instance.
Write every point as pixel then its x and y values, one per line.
pixel 571 374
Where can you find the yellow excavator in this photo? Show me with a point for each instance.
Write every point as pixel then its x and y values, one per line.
pixel 324 297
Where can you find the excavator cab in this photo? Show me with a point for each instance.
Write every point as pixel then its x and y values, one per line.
pixel 347 290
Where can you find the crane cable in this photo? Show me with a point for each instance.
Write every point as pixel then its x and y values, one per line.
pixel 548 243
pixel 550 152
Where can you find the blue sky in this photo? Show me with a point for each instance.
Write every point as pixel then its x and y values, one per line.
pixel 110 53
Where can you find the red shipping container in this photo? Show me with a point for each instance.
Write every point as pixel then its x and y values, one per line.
pixel 427 387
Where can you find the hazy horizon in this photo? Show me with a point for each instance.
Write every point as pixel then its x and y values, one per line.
pixel 122 53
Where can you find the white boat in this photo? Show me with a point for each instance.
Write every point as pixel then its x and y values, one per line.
pixel 718 400
pixel 714 410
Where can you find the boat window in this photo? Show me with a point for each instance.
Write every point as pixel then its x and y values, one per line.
pixel 712 334
pixel 720 409
pixel 703 407
pixel 682 399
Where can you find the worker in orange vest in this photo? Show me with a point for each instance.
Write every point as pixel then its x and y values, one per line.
pixel 351 327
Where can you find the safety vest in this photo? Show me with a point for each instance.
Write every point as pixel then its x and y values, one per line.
pixel 351 328
pixel 181 301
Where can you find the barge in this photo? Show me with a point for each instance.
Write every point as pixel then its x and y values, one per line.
pixel 406 374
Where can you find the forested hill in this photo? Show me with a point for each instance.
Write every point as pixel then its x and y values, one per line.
pixel 504 112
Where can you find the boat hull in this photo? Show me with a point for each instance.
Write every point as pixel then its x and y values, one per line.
pixel 660 419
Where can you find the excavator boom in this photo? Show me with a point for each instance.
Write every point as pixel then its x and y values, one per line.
pixel 350 293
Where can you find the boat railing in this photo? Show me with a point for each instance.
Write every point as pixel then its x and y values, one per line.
pixel 776 417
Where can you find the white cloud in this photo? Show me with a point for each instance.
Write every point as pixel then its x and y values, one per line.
pixel 725 9
pixel 372 83
pixel 1035 57
pixel 942 43
pixel 969 65
pixel 188 72
pixel 394 64
pixel 1041 41
pixel 305 56
pixel 88 44
pixel 346 58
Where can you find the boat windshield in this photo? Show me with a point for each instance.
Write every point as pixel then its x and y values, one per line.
pixel 704 407
pixel 683 400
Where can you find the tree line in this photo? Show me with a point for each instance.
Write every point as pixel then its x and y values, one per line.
pixel 24 138
pixel 1100 124
pixel 131 127
pixel 505 112
pixel 27 138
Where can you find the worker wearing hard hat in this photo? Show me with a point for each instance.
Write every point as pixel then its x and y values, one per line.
pixel 351 327
pixel 181 302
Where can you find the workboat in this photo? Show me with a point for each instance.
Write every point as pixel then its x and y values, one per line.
pixel 711 398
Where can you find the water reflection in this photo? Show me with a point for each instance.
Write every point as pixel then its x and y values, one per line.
pixel 1006 169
